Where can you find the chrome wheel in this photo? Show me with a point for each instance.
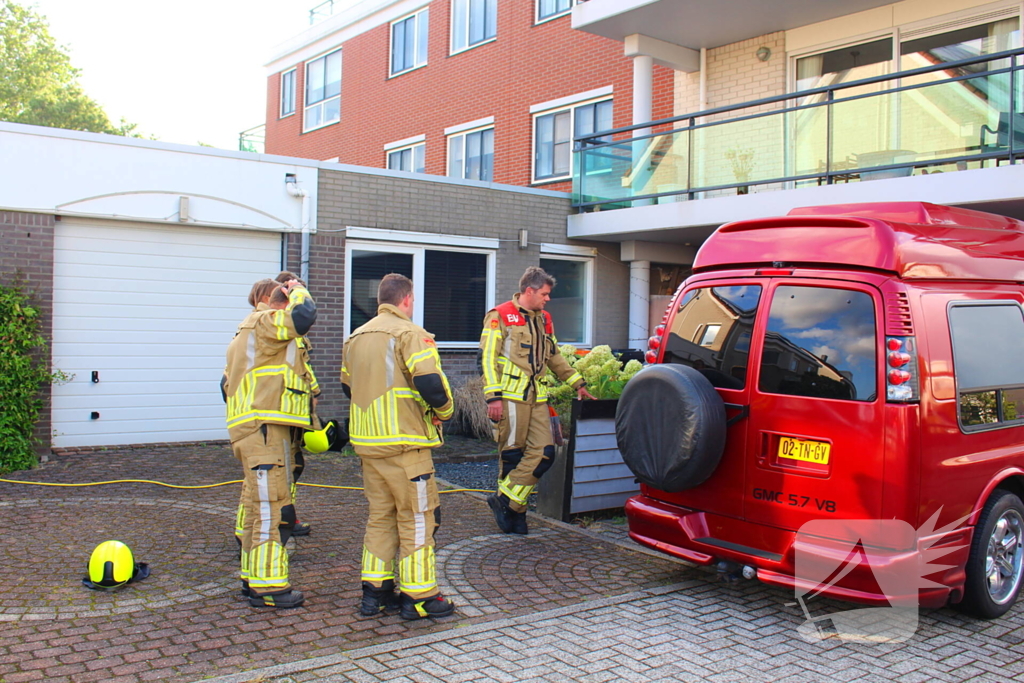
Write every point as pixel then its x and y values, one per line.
pixel 1004 560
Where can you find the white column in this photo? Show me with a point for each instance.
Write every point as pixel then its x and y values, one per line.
pixel 639 303
pixel 643 91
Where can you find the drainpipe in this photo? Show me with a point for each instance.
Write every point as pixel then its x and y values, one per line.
pixel 291 184
pixel 703 88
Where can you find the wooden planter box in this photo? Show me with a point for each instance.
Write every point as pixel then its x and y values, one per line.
pixel 588 473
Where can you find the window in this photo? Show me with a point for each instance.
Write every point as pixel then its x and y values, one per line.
pixel 554 133
pixel 409 42
pixel 570 299
pixel 288 93
pixel 471 155
pixel 548 9
pixel 711 333
pixel 820 342
pixel 407 159
pixel 987 363
pixel 323 91
pixel 453 286
pixel 473 22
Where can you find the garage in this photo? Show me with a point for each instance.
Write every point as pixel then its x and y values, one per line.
pixel 142 315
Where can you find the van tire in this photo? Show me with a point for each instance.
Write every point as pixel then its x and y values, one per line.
pixel 1002 506
pixel 670 427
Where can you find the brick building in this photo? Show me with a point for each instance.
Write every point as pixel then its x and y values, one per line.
pixel 492 90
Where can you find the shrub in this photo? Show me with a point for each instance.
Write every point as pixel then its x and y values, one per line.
pixel 470 417
pixel 603 371
pixel 23 371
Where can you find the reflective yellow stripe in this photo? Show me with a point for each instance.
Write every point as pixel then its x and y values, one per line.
pixel 376 569
pixel 519 493
pixel 282 329
pixel 573 378
pixel 403 439
pixel 269 415
pixel 268 566
pixel 489 340
pixel 240 520
pixel 426 354
pixel 417 571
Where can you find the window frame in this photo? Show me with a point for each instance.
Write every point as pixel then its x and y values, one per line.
pixel 538 19
pixel 293 72
pixel 452 50
pixel 554 111
pixel 320 103
pixel 588 289
pixel 448 155
pixel 416 47
pixel 398 150
pixel 427 242
pixel 989 426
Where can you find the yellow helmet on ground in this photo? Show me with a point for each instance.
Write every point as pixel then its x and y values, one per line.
pixel 333 437
pixel 111 565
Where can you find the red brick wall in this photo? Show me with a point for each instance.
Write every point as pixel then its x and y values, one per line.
pixel 26 256
pixel 527 64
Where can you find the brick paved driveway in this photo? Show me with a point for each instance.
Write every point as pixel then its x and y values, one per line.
pixel 582 606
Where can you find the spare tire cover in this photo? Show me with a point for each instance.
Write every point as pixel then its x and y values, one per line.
pixel 670 427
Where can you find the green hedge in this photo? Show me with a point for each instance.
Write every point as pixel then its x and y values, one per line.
pixel 23 371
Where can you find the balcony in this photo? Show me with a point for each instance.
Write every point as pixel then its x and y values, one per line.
pixel 946 118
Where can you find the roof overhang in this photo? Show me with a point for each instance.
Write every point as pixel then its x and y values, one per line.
pixel 698 23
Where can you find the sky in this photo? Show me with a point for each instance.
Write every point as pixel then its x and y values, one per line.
pixel 187 71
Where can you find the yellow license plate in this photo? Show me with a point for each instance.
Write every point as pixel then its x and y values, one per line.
pixel 807 451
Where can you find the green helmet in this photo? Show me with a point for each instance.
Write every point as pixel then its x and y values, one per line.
pixel 332 437
pixel 111 565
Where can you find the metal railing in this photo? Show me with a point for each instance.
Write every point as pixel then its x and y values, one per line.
pixel 253 139
pixel 946 117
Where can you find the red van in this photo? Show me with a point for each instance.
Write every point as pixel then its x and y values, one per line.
pixel 852 362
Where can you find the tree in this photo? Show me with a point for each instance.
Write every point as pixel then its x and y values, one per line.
pixel 38 84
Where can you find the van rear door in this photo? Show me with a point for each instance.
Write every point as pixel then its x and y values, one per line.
pixel 815 435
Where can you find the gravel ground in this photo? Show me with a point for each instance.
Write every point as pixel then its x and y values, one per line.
pixel 470 475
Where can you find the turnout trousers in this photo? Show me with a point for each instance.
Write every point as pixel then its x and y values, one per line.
pixel 266 498
pixel 526 450
pixel 289 516
pixel 404 515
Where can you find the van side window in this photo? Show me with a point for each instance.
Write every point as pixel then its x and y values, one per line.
pixel 820 342
pixel 988 363
pixel 711 333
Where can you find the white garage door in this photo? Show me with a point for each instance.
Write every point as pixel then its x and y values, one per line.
pixel 148 311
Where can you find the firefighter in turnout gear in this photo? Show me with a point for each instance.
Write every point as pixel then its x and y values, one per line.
pixel 399 396
pixel 517 346
pixel 290 525
pixel 268 399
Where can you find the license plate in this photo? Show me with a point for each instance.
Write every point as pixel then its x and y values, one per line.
pixel 807 451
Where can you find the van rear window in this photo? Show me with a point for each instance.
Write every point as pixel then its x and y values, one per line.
pixel 820 342
pixel 988 363
pixel 711 333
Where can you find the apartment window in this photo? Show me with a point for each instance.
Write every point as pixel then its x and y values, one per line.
pixel 473 22
pixel 407 159
pixel 555 131
pixel 409 42
pixel 323 91
pixel 288 93
pixel 989 371
pixel 570 304
pixel 453 286
pixel 548 9
pixel 471 155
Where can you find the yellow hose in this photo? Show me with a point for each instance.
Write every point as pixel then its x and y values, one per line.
pixel 207 486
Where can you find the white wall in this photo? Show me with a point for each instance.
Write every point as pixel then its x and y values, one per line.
pixel 107 176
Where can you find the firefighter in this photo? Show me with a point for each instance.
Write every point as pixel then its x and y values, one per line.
pixel 517 346
pixel 298 457
pixel 399 396
pixel 268 399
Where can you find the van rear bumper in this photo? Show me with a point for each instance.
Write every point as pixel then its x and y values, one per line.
pixel 704 538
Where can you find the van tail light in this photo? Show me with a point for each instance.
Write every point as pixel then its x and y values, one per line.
pixel 901 374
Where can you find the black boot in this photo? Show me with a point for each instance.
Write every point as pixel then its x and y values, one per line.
pixel 302 529
pixel 433 607
pixel 503 514
pixel 246 591
pixel 291 598
pixel 379 600
pixel 519 523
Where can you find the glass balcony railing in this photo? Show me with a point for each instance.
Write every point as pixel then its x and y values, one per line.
pixel 253 139
pixel 948 117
